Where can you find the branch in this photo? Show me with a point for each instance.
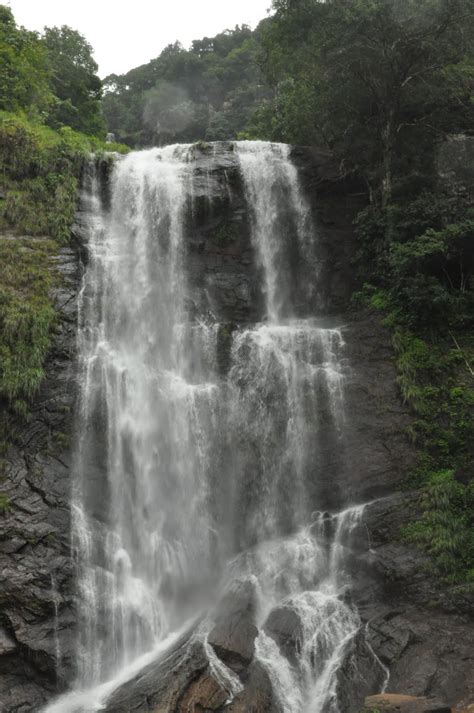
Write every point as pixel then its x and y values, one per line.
pixel 471 371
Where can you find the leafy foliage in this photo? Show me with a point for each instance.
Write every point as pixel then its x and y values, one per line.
pixel 39 173
pixel 24 73
pixel 51 78
pixel 75 83
pixel 446 529
pixel 27 319
pixel 437 380
pixel 26 316
pixel 421 251
pixel 206 93
pixel 371 79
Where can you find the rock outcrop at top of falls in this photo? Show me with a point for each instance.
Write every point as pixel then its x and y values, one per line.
pixel 232 410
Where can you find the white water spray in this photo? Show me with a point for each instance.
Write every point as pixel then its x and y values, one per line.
pixel 159 517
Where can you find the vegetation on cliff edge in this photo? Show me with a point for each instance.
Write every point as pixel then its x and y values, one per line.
pixel 48 91
pixel 382 83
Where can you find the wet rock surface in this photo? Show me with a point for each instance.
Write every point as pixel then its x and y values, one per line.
pixel 225 277
pixel 421 631
pixel 358 675
pixel 258 694
pixel 36 590
pixel 184 682
pixel 285 627
pixel 423 635
pixel 234 631
pixel 179 681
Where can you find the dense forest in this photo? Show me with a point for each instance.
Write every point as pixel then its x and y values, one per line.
pixel 381 83
pixel 209 92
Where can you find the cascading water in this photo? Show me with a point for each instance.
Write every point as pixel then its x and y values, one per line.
pixel 158 522
pixel 148 413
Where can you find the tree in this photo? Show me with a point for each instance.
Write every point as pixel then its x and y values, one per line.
pixel 370 78
pixel 205 93
pixel 77 87
pixel 24 72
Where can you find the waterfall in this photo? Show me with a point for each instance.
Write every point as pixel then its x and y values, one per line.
pixel 188 479
pixel 147 414
pixel 279 216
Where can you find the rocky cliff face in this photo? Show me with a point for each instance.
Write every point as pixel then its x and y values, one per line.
pixel 421 634
pixel 36 581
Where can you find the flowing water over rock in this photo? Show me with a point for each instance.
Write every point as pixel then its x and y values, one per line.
pixel 194 479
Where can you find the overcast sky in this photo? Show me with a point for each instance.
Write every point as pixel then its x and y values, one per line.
pixel 127 34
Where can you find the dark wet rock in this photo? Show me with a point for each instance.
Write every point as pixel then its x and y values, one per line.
pixel 179 682
pixel 183 682
pixel 285 627
pixel 257 696
pixel 21 691
pixel 360 674
pixel 427 652
pixel 205 693
pixel 422 631
pixel 234 631
pixel 224 273
pixel 379 453
pixel 411 624
pixel 36 572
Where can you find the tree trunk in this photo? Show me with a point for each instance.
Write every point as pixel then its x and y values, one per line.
pixel 388 145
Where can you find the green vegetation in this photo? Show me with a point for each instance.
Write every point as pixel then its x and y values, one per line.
pixel 4 503
pixel 39 173
pixel 225 234
pixel 207 93
pixel 24 74
pixel 437 380
pixel 51 78
pixel 77 88
pixel 39 169
pixel 377 81
pixel 381 83
pixel 26 316
pixel 48 93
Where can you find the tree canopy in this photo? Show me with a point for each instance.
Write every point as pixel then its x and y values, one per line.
pixel 76 86
pixel 24 72
pixel 50 77
pixel 369 78
pixel 208 92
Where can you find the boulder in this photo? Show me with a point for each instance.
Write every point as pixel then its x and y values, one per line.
pixel 285 627
pixel 359 674
pixel 234 632
pixel 399 703
pixel 257 695
pixel 174 682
